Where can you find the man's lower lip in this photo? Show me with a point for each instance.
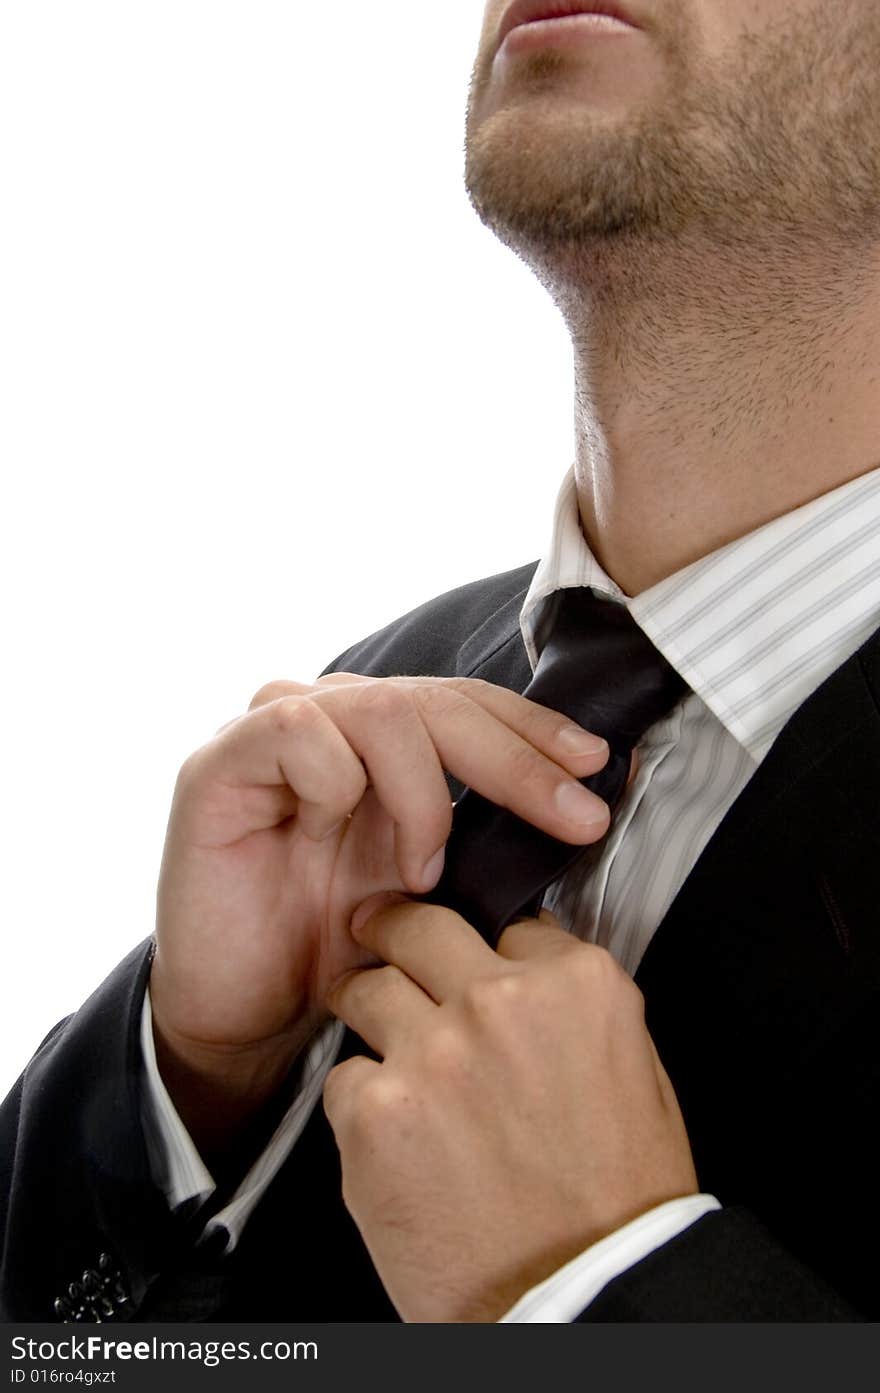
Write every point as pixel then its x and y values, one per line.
pixel 567 29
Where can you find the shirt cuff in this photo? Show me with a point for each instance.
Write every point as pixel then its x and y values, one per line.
pixel 569 1291
pixel 177 1167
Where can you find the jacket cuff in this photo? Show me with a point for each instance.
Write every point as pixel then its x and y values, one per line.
pixel 564 1295
pixel 725 1267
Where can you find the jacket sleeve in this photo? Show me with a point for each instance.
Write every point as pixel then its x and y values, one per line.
pixel 78 1200
pixel 77 1195
pixel 726 1267
pixel 86 1233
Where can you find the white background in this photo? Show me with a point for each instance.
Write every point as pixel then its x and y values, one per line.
pixel 267 383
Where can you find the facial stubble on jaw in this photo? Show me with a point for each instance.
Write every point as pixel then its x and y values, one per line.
pixel 772 136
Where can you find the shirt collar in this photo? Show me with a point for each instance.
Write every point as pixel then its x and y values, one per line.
pixel 567 562
pixel 756 626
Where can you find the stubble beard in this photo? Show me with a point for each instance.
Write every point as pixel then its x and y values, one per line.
pixel 779 144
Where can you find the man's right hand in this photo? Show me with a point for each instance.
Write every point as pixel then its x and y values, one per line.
pixel 293 815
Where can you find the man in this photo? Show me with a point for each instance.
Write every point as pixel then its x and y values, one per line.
pixel 657 1101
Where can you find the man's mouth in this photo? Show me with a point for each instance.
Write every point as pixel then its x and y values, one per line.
pixel 522 13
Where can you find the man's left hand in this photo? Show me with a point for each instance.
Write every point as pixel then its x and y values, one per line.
pixel 520 1112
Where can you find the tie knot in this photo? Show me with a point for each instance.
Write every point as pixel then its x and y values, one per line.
pixel 600 669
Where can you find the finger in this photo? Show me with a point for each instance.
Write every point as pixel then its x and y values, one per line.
pixel 576 749
pixel 342 1086
pixel 560 739
pixel 475 745
pixel 509 750
pixel 535 938
pixel 274 691
pixel 382 1005
pixel 341 679
pixel 291 744
pixel 329 742
pixel 380 900
pixel 381 722
pixel 434 946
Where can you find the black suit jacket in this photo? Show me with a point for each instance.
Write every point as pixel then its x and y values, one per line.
pixel 761 989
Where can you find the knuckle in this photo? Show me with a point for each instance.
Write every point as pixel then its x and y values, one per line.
pixel 353 785
pixel 527 769
pixel 596 968
pixel 430 698
pixel 445 1053
pixel 604 962
pixel 432 920
pixel 360 1097
pixel 428 832
pixel 337 1084
pixel 476 686
pixel 335 1078
pixel 382 1096
pixel 590 962
pixel 348 781
pixel 488 997
pixel 633 994
pixel 191 772
pixel 291 714
pixel 471 687
pixel 389 978
pixel 270 691
pixel 379 700
pixel 449 699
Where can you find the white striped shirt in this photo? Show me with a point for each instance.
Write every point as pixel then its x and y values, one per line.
pixel 754 629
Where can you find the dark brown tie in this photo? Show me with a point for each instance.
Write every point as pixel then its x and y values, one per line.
pixel 599 668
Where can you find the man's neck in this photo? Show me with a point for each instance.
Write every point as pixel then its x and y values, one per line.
pixel 710 399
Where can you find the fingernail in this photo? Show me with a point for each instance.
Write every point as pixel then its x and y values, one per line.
pixel 579 805
pixel 434 869
pixel 581 742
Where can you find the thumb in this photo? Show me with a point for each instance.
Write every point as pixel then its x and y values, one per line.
pixel 531 938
